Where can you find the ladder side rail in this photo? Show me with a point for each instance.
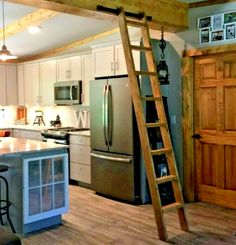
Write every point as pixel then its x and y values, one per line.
pixel 135 94
pixel 164 130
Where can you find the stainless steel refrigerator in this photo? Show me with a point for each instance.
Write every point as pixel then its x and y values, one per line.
pixel 115 160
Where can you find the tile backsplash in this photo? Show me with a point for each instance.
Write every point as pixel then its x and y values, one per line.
pixel 74 116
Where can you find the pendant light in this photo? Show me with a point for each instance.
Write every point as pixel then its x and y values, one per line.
pixel 5 54
pixel 162 67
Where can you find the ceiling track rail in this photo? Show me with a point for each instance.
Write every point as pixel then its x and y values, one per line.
pixel 117 11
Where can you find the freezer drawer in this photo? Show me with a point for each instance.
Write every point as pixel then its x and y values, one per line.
pixel 113 175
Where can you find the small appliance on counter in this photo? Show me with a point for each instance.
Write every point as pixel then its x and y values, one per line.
pixel 21 115
pixel 56 123
pixel 39 118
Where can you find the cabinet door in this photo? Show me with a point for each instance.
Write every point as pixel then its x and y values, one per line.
pixel 87 75
pixel 47 80
pixel 3 97
pixel 31 77
pixel 80 154
pixel 21 85
pixel 75 68
pixel 103 59
pixel 45 187
pixel 63 70
pixel 120 63
pixel 11 84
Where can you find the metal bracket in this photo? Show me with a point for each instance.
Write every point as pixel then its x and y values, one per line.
pixel 117 11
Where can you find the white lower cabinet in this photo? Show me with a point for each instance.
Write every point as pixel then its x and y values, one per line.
pixel 80 164
pixel 45 187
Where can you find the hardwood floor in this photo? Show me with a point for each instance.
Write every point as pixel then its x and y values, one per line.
pixel 93 219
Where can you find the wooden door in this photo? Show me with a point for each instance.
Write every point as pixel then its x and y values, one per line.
pixel 215 122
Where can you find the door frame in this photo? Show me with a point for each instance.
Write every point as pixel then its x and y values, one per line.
pixel 188 104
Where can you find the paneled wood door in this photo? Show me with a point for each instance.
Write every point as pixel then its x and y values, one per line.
pixel 215 129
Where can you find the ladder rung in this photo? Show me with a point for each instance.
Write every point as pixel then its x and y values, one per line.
pixel 172 206
pixel 160 151
pixel 165 179
pixel 146 73
pixel 135 23
pixel 140 48
pixel 150 98
pixel 155 125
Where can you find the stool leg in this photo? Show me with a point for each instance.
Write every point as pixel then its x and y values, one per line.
pixel 8 205
pixel 0 205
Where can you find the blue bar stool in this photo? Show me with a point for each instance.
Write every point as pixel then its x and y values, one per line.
pixel 5 203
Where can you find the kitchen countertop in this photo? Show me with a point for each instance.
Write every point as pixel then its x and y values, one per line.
pixel 10 146
pixel 83 133
pixel 26 127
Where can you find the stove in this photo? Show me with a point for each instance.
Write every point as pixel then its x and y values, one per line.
pixel 59 135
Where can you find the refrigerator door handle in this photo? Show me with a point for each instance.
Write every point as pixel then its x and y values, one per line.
pixel 104 114
pixel 109 114
pixel 115 159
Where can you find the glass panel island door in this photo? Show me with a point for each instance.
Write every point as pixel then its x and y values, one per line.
pixel 45 187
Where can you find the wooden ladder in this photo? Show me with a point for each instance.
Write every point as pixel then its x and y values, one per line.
pixel 160 124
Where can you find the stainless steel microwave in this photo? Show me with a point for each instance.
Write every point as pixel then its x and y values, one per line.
pixel 67 93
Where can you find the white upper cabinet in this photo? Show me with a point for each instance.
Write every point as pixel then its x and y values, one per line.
pixel 69 69
pixel 31 81
pixel 87 75
pixel 21 85
pixel 110 61
pixel 47 80
pixel 103 59
pixel 3 98
pixel 8 84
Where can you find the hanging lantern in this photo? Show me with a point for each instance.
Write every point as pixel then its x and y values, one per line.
pixel 162 68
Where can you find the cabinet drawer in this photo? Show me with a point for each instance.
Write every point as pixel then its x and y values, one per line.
pixel 81 140
pixel 80 172
pixel 80 154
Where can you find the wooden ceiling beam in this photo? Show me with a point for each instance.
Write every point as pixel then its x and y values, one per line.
pixel 171 14
pixel 69 46
pixel 208 3
pixel 34 18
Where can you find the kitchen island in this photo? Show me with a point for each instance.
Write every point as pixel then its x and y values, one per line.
pixel 38 182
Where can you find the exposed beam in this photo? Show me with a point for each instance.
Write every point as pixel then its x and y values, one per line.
pixel 209 2
pixel 34 18
pixel 68 46
pixel 173 15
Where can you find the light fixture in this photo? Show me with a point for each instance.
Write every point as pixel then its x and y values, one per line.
pixel 5 54
pixel 162 67
pixel 34 29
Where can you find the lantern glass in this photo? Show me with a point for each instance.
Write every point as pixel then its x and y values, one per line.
pixel 163 74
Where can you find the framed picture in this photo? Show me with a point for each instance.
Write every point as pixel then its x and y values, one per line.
pixel 217 36
pixel 217 22
pixel 204 22
pixel 205 36
pixel 230 31
pixel 230 17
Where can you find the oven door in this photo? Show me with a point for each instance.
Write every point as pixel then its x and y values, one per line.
pixel 56 141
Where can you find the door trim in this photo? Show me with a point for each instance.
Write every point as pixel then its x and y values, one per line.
pixel 189 187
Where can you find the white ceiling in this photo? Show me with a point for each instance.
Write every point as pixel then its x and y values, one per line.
pixel 55 32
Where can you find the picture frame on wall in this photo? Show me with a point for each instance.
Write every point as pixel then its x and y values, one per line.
pixel 204 22
pixel 230 31
pixel 205 35
pixel 230 17
pixel 217 22
pixel 217 35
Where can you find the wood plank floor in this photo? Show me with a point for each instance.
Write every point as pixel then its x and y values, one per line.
pixel 93 219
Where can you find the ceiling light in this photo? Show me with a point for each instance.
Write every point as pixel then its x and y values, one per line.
pixel 34 29
pixel 5 54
